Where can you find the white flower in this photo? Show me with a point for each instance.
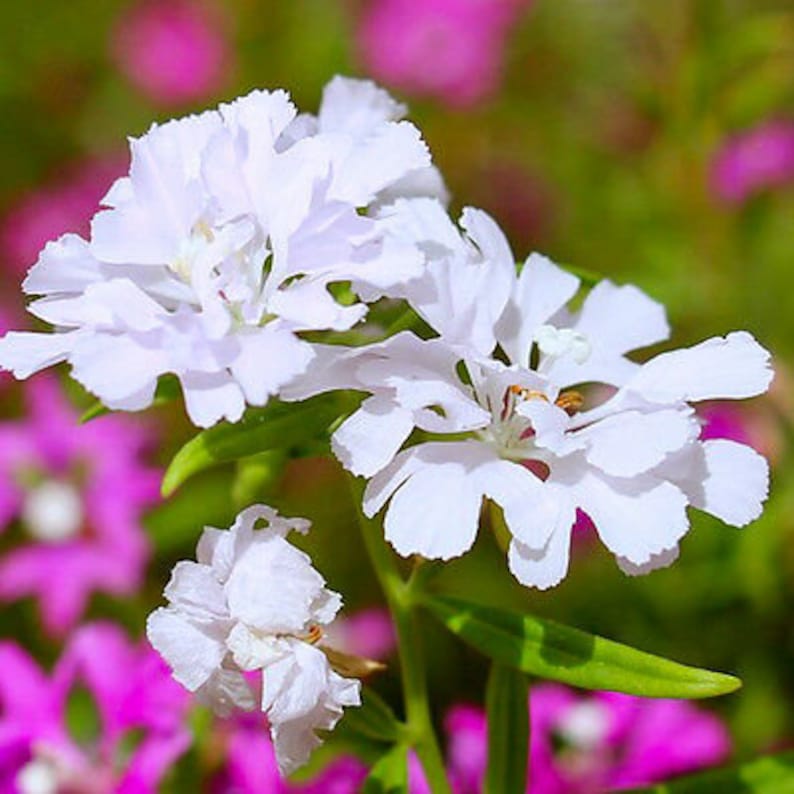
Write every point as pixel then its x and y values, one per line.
pixel 218 250
pixel 494 393
pixel 253 602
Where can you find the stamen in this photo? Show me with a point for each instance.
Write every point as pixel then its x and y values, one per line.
pixel 570 401
pixel 314 636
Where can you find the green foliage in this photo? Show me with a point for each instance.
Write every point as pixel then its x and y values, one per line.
pixel 506 698
pixel 773 774
pixel 373 720
pixel 276 426
pixel 551 650
pixel 390 774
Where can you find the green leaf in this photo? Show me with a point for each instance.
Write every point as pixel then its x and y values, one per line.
pixel 773 774
pixel 551 650
pixel 390 774
pixel 373 719
pixel 276 426
pixel 506 699
pixel 167 391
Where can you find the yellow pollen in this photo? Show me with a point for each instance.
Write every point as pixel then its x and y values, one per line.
pixel 570 401
pixel 527 394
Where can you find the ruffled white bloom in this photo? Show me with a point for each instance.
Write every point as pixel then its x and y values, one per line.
pixel 634 463
pixel 253 602
pixel 219 248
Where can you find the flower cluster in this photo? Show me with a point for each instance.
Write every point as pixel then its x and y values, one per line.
pixel 220 246
pixel 239 245
pixel 253 602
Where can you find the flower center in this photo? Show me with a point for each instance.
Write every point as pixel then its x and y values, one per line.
pixel 38 776
pixel 585 726
pixel 53 511
pixel 190 250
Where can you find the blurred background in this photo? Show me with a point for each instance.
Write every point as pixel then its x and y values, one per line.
pixel 648 141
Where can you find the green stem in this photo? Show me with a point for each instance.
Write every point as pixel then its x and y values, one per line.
pixel 398 598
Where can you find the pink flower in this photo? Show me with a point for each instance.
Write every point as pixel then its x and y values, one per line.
pixel 171 50
pixel 251 767
pixel 586 743
pixel 77 492
pixel 753 161
pixel 64 205
pixel 139 717
pixel 450 49
pixel 368 633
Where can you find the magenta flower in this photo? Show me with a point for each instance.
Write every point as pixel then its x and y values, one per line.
pixel 77 493
pixel 139 709
pixel 64 205
pixel 368 633
pixel 172 51
pixel 586 743
pixel 755 160
pixel 450 49
pixel 251 768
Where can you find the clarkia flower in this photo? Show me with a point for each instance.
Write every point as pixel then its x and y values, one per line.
pixel 495 391
pixel 750 162
pixel 597 742
pixel 253 602
pixel 76 493
pixel 139 716
pixel 450 49
pixel 173 51
pixel 219 249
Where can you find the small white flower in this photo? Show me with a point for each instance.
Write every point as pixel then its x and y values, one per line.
pixel 217 251
pixel 253 602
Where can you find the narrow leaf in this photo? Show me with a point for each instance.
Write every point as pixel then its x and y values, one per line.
pixel 276 426
pixel 773 774
pixel 506 699
pixel 551 650
pixel 373 719
pixel 390 774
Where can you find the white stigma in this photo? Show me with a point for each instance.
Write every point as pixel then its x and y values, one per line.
pixel 38 776
pixel 53 511
pixel 585 725
pixel 558 342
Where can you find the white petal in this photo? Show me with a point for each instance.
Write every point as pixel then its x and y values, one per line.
pixel 622 318
pixel 631 442
pixel 436 512
pixel 735 366
pixel 210 397
pixel 192 654
pixel 366 441
pixel 661 560
pixel 356 106
pixel 268 359
pixel 65 265
pixel 636 519
pixel 531 510
pixel 728 480
pixel 114 367
pixel 273 587
pixel 393 150
pixel 541 290
pixel 542 568
pixel 195 591
pixel 25 353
